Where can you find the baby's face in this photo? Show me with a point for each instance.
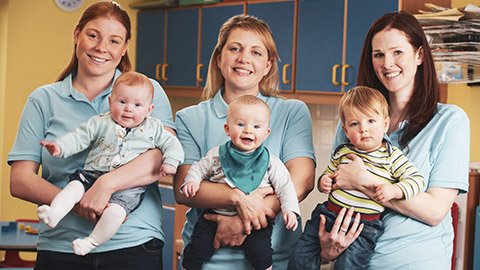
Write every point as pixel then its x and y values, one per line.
pixel 365 132
pixel 247 126
pixel 130 105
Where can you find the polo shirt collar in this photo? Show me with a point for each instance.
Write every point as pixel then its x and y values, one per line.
pixel 220 106
pixel 67 86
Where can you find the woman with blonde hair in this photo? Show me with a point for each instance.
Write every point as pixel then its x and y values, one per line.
pixel 244 63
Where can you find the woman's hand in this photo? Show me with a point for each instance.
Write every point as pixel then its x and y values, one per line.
pixel 354 175
pixel 229 230
pixel 333 243
pixel 253 211
pixel 94 201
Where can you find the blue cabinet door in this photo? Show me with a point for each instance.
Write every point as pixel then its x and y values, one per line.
pixel 167 227
pixel 360 16
pixel 150 43
pixel 280 18
pixel 168 218
pixel 182 44
pixel 212 20
pixel 319 44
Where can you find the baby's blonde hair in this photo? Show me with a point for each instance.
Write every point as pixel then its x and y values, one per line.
pixel 247 100
pixel 365 99
pixel 132 78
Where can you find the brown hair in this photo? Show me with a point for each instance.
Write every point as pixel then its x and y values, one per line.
pixel 423 103
pixel 94 11
pixel 365 99
pixel 132 78
pixel 215 80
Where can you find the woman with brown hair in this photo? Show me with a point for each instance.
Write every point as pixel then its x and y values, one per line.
pixel 397 60
pixel 100 55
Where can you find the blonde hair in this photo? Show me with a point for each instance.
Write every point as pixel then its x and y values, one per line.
pixel 132 78
pixel 365 99
pixel 269 84
pixel 247 100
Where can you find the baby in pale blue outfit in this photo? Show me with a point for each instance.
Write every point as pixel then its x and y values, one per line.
pixel 116 138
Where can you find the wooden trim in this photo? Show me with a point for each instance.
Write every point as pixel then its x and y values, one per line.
pixel 199 42
pixel 472 203
pixel 344 50
pixel 443 93
pixel 294 47
pixel 183 92
pixel 314 97
pixel 165 38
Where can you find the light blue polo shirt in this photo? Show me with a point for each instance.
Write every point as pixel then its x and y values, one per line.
pixel 55 109
pixel 441 152
pixel 200 127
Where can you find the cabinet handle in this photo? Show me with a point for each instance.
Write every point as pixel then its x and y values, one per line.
pixel 199 66
pixel 157 72
pixel 344 68
pixel 163 72
pixel 284 74
pixel 334 74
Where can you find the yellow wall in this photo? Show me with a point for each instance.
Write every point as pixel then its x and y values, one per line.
pixel 35 45
pixel 3 62
pixel 468 99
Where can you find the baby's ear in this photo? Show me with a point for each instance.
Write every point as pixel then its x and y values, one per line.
pixel 227 130
pixel 150 109
pixel 387 123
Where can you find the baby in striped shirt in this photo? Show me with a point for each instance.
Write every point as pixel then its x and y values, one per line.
pixel 365 121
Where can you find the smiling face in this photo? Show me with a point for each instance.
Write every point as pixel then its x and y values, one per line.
pixel 365 131
pixel 243 61
pixel 100 46
pixel 130 105
pixel 395 61
pixel 247 125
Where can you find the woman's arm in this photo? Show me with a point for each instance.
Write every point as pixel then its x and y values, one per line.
pixel 26 184
pixel 211 195
pixel 252 208
pixel 141 171
pixel 429 207
pixel 302 172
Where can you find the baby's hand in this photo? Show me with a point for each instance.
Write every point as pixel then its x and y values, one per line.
pixel 190 189
pixel 290 219
pixel 387 192
pixel 326 183
pixel 167 169
pixel 52 148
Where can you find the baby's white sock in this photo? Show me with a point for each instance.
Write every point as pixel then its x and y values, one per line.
pixel 61 204
pixel 107 226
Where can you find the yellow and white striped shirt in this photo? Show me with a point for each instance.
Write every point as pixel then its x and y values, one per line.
pixel 388 163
